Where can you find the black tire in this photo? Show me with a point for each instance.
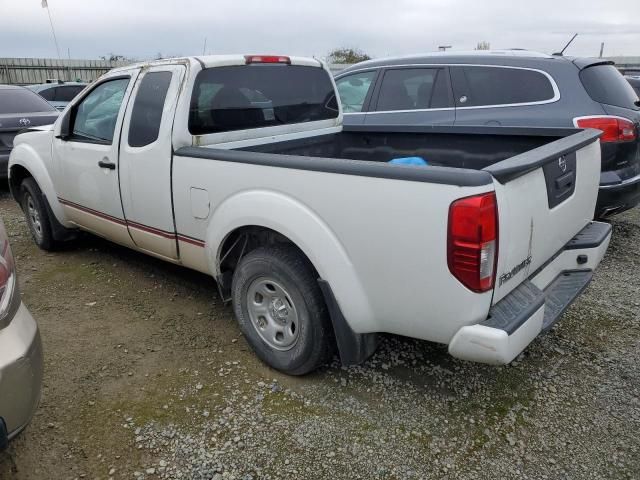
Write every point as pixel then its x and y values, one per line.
pixel 36 213
pixel 290 271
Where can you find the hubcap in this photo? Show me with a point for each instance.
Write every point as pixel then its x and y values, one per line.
pixel 34 218
pixel 272 313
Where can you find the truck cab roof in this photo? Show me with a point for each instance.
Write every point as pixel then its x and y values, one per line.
pixel 210 61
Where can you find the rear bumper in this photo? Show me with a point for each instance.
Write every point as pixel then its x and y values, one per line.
pixel 20 373
pixel 617 197
pixel 537 304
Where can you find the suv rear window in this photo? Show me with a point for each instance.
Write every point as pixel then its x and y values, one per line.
pixel 605 84
pixel 261 95
pixel 21 100
pixel 487 86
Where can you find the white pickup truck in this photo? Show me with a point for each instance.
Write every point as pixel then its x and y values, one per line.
pixel 238 166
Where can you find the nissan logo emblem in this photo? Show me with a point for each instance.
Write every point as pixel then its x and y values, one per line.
pixel 562 164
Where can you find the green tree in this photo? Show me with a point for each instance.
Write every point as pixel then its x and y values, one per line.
pixel 347 55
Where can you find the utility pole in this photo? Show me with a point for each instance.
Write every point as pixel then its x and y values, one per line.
pixel 204 48
pixel 601 49
pixel 45 5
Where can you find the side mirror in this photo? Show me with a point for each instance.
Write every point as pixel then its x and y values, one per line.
pixel 355 82
pixel 65 127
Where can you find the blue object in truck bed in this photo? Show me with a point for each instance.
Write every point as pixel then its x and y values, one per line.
pixel 417 161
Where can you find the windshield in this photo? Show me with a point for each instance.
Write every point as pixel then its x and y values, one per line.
pixel 262 95
pixel 605 84
pixel 21 100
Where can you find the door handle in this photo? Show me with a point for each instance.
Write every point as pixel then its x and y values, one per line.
pixel 105 163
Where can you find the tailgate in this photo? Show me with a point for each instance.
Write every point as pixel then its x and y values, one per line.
pixel 545 197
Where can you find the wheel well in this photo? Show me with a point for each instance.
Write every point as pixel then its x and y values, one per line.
pixel 18 174
pixel 238 243
pixel 245 239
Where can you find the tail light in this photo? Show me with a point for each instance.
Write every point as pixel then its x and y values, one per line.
pixel 7 277
pixel 614 129
pixel 472 248
pixel 249 59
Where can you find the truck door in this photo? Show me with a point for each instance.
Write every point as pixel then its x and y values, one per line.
pixel 145 160
pixel 88 158
pixel 413 95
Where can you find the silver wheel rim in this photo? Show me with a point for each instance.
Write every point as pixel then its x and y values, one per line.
pixel 273 313
pixel 34 218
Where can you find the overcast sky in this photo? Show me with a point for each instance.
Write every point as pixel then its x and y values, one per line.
pixel 143 28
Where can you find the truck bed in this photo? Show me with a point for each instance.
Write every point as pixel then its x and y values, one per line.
pixel 470 148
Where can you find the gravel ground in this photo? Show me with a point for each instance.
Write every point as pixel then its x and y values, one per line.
pixel 148 377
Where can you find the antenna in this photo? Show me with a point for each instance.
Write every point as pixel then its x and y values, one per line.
pixel 566 46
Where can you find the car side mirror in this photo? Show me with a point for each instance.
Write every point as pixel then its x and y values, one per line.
pixel 355 82
pixel 65 127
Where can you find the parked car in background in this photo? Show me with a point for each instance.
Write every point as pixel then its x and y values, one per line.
pixel 239 167
pixel 20 351
pixel 507 88
pixel 58 94
pixel 634 81
pixel 20 108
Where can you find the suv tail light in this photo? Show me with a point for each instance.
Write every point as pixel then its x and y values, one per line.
pixel 472 244
pixel 249 59
pixel 7 277
pixel 614 129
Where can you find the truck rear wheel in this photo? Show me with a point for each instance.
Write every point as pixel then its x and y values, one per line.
pixel 280 309
pixel 36 214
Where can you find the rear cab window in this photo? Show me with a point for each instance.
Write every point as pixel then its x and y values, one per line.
pixel 413 89
pixel 485 86
pixel 605 84
pixel 261 95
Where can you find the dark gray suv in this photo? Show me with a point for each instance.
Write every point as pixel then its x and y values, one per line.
pixel 508 88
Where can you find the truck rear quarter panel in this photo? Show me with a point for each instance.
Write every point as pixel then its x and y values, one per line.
pixel 380 243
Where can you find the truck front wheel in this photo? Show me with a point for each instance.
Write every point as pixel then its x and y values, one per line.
pixel 36 213
pixel 280 309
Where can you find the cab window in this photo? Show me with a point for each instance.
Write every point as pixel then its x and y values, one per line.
pixel 96 115
pixel 146 115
